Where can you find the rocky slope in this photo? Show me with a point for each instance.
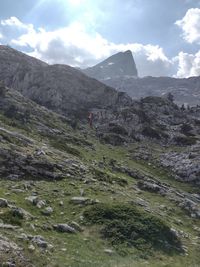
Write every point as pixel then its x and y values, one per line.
pixel 61 180
pixel 58 183
pixel 67 91
pixel 117 119
pixel 58 87
pixel 185 91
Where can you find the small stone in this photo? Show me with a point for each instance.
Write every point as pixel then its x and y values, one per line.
pixel 76 226
pixel 83 201
pixel 16 190
pixel 21 213
pixel 23 236
pixel 9 264
pixel 80 200
pixel 32 199
pixel 3 203
pixel 50 247
pixel 8 226
pixel 32 226
pixel 39 241
pixel 31 248
pixel 47 211
pixel 41 203
pixel 61 203
pixel 109 251
pixel 82 192
pixel 178 222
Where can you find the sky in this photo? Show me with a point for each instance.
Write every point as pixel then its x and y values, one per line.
pixel 163 35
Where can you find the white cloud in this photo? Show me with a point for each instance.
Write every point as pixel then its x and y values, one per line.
pixel 188 64
pixel 13 21
pixel 76 46
pixel 190 25
pixel 76 2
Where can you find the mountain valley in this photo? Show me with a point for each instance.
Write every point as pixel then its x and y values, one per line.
pixel 121 192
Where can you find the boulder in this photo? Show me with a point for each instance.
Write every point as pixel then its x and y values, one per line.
pixel 3 203
pixel 64 228
pixel 47 211
pixel 39 241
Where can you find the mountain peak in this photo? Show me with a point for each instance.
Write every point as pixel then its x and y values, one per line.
pixel 121 64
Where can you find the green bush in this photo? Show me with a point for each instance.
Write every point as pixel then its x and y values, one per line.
pixel 113 139
pixel 117 129
pixel 151 132
pixel 125 224
pixel 108 177
pixel 62 145
pixel 2 90
pixel 186 129
pixel 12 218
pixel 185 140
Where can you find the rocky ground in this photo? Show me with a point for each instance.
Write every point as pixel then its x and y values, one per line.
pixel 59 182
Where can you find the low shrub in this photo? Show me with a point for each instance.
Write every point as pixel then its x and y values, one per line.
pixel 9 217
pixel 186 129
pixel 125 224
pixel 113 139
pixel 151 132
pixel 185 140
pixel 62 145
pixel 108 177
pixel 117 129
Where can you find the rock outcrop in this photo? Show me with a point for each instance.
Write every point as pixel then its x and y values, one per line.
pixel 61 88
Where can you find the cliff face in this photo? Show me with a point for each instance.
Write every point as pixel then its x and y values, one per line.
pixel 58 87
pixel 119 65
pixel 185 91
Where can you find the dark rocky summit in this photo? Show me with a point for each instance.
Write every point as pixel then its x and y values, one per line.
pixel 120 65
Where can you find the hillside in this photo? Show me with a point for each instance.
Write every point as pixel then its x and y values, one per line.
pixel 58 87
pixel 59 186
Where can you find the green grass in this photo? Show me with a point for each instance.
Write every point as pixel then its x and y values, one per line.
pixel 108 177
pixel 125 224
pixel 126 218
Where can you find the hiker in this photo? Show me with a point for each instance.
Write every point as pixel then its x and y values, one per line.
pixel 90 119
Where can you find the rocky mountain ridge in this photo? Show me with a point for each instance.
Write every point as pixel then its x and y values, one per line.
pixel 186 91
pixel 117 66
pixel 58 87
pixel 67 91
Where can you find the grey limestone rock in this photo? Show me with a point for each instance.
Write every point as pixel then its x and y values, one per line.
pixel 40 241
pixel 47 211
pixel 65 228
